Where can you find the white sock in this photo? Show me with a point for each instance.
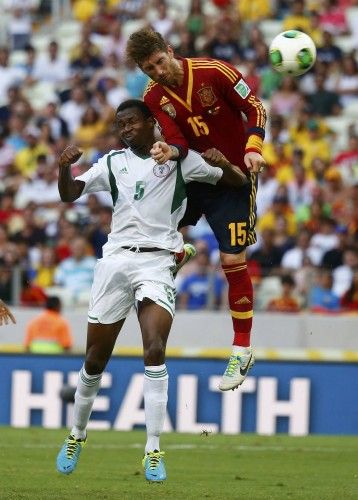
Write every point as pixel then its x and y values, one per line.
pixel 155 403
pixel 86 392
pixel 238 349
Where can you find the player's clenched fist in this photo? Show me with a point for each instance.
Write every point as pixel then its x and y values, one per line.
pixel 70 155
pixel 215 158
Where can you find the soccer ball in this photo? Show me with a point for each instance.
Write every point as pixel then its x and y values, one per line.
pixel 292 53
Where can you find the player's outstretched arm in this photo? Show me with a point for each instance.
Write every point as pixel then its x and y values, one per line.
pixel 5 314
pixel 70 189
pixel 232 174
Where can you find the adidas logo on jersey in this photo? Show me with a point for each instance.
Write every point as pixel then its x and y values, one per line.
pixel 163 100
pixel 123 170
pixel 243 300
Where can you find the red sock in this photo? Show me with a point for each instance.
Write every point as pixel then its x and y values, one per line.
pixel 240 301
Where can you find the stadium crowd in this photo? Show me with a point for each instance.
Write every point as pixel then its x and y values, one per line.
pixel 61 83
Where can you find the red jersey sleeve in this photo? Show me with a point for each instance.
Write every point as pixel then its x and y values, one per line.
pixel 241 98
pixel 169 129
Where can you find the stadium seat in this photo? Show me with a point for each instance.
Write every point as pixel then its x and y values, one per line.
pixel 131 26
pixel 270 28
pixel 345 43
pixel 40 41
pixel 40 94
pixel 339 125
pixel 17 57
pixel 268 289
pixel 352 20
pixel 351 111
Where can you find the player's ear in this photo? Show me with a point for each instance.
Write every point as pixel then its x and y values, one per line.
pixel 170 50
pixel 151 121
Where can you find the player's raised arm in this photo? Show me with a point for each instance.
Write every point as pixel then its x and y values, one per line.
pixel 70 188
pixel 5 314
pixel 232 175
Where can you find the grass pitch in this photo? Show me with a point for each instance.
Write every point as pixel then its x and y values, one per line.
pixel 199 467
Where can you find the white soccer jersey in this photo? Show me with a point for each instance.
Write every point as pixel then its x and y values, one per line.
pixel 149 200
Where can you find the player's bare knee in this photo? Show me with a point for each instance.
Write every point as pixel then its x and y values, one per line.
pixel 154 353
pixel 94 366
pixel 228 259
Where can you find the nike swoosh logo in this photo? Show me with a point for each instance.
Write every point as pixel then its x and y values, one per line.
pixel 243 371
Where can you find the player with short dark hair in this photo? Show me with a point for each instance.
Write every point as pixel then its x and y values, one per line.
pixel 137 266
pixel 199 102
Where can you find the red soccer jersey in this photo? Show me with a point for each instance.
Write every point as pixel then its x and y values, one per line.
pixel 207 109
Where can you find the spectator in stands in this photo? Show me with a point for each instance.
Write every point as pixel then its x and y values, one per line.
pixel 6 285
pixel 103 18
pixel 9 75
pixel 51 66
pixel 163 22
pixel 347 85
pixel 335 193
pixel 98 235
pixel 343 275
pixel 286 302
pixel 86 63
pixel 130 10
pixel 324 102
pixel 314 146
pixel 30 229
pixel 347 161
pixel 349 300
pixel 297 18
pixel 91 125
pixel 286 99
pixel 267 255
pixel 223 46
pixel 293 259
pixel 7 153
pixel 253 11
pixel 75 274
pixel 5 314
pixel 196 20
pixel 49 332
pixel 280 208
pixel 332 18
pixel 333 257
pixel 26 160
pixel 328 52
pixel 267 188
pixel 45 271
pixel 50 116
pixel 203 288
pixel 31 294
pixel 20 21
pixel 321 297
pixel 325 238
pixel 73 109
pixel 135 81
pixel 300 189
pixel 115 42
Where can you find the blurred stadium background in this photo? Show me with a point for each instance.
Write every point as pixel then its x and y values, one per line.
pixel 62 74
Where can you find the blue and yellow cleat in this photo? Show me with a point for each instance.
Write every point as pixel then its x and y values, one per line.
pixel 69 454
pixel 154 467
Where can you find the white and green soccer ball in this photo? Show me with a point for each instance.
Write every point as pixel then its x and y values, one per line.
pixel 292 53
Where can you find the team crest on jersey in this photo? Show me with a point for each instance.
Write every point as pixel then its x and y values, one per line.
pixel 207 96
pixel 169 110
pixel 161 170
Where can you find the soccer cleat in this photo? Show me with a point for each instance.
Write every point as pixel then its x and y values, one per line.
pixel 183 257
pixel 236 371
pixel 154 468
pixel 69 454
